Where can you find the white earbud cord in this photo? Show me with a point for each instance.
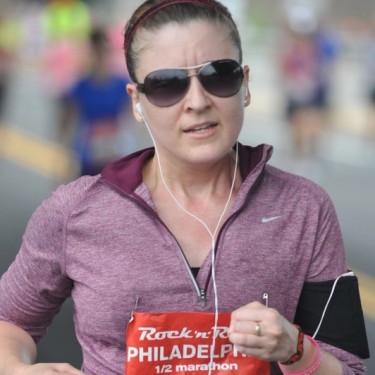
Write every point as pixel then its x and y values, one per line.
pixel 212 235
pixel 350 273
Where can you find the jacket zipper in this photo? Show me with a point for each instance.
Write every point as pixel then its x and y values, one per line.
pixel 201 292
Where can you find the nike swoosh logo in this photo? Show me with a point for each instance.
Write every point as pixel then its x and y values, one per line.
pixel 268 219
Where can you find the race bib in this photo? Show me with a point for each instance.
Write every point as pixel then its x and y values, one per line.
pixel 182 343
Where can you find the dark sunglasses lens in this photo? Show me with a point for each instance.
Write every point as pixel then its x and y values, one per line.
pixel 222 78
pixel 166 87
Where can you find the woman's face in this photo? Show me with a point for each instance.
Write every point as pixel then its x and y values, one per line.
pixel 201 128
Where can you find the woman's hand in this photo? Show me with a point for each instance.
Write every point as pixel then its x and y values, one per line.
pixel 262 332
pixel 47 369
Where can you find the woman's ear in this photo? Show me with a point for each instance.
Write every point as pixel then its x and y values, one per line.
pixel 133 92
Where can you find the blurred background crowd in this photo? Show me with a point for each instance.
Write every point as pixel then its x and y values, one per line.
pixel 64 111
pixel 308 59
pixel 76 49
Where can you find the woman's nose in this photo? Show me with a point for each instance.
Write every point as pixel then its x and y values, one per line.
pixel 197 97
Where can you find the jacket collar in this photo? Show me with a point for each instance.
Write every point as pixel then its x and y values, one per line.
pixel 126 173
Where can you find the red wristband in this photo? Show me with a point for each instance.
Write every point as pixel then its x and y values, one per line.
pixel 299 353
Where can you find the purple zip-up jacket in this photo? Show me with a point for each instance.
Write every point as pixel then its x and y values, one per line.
pixel 100 241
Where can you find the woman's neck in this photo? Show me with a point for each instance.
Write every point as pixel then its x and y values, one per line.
pixel 191 182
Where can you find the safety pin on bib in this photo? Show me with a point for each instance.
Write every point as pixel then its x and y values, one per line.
pixel 132 313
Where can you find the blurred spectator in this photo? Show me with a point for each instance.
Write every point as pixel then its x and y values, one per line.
pixel 96 106
pixel 328 47
pixel 308 54
pixel 303 97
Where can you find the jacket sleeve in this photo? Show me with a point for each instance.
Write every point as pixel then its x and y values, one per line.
pixel 327 265
pixel 34 287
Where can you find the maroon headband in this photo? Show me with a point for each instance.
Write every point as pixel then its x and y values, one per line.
pixel 130 32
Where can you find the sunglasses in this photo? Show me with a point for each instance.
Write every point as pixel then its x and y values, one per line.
pixel 165 87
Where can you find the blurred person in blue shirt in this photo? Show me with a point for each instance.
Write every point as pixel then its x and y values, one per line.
pixel 94 110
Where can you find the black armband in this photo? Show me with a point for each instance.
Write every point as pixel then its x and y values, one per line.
pixel 343 323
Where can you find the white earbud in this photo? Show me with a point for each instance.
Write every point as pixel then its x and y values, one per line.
pixel 138 107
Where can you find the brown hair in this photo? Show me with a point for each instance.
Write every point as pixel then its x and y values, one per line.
pixel 153 14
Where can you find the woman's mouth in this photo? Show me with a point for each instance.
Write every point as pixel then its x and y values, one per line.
pixel 200 128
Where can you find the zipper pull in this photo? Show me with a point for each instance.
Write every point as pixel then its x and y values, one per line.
pixel 202 297
pixel 265 299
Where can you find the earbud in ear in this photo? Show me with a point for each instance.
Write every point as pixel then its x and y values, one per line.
pixel 138 107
